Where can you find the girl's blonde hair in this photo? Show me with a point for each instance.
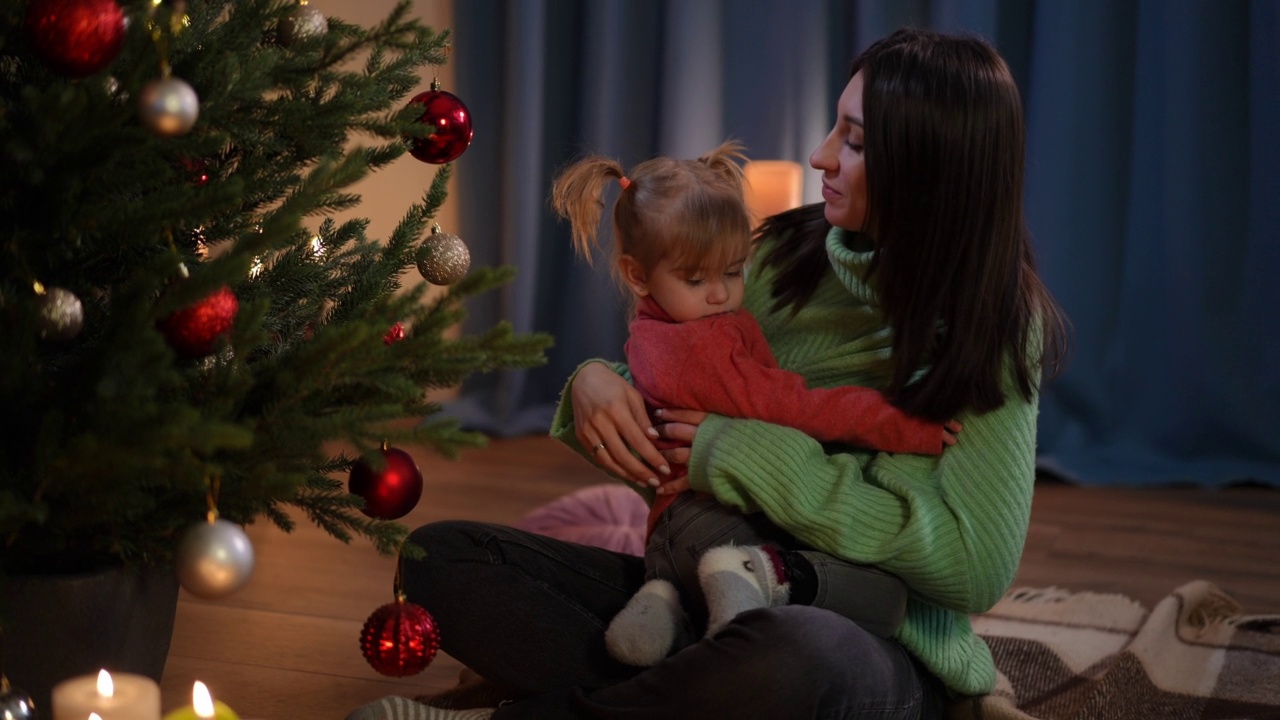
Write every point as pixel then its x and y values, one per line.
pixel 692 211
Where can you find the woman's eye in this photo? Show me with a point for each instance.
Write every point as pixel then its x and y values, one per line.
pixel 734 273
pixel 693 282
pixel 855 146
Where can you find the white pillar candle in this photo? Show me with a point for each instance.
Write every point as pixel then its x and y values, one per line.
pixel 112 697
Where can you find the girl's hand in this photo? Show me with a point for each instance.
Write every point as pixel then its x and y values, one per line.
pixel 680 426
pixel 950 429
pixel 610 421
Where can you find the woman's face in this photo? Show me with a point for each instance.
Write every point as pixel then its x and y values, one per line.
pixel 839 157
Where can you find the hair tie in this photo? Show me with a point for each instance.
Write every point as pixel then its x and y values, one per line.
pixel 624 182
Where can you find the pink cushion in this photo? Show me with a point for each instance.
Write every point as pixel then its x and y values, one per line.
pixel 608 516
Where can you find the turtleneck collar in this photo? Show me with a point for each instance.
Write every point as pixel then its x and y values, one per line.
pixel 850 254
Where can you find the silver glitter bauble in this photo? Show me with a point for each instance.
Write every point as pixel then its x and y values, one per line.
pixel 16 705
pixel 444 258
pixel 303 23
pixel 168 106
pixel 59 316
pixel 214 559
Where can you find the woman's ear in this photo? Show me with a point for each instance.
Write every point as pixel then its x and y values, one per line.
pixel 633 275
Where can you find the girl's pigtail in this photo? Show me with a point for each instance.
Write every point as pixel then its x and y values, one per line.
pixel 577 197
pixel 726 161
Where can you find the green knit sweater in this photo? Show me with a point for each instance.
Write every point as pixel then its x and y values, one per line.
pixel 951 526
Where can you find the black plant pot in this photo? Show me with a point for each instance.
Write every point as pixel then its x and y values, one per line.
pixel 60 626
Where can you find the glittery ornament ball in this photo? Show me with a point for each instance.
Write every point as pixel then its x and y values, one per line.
pixel 391 492
pixel 302 23
pixel 399 639
pixel 444 259
pixel 59 315
pixel 214 559
pixel 168 106
pixel 193 331
pixel 76 37
pixel 451 120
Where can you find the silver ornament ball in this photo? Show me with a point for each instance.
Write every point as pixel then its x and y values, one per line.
pixel 214 559
pixel 16 705
pixel 168 106
pixel 444 258
pixel 59 316
pixel 303 23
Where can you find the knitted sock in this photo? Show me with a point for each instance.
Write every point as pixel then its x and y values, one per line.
pixel 394 707
pixel 643 632
pixel 738 578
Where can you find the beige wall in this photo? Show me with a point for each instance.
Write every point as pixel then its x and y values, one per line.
pixel 387 193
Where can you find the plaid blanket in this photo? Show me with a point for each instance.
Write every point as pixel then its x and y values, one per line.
pixel 1087 656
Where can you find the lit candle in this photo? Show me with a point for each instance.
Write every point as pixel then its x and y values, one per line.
pixel 203 707
pixel 772 187
pixel 110 697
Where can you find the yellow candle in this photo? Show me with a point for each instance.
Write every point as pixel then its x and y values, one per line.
pixel 112 697
pixel 203 707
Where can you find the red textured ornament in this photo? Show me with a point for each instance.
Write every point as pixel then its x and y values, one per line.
pixel 194 330
pixel 395 334
pixel 399 639
pixel 76 37
pixel 392 492
pixel 451 120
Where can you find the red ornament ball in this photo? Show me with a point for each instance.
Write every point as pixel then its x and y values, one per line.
pixel 395 334
pixel 399 639
pixel 452 122
pixel 76 37
pixel 392 492
pixel 194 330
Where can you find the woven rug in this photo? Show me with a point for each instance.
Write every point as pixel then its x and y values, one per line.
pixel 1088 656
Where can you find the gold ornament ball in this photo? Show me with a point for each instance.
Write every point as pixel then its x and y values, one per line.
pixel 303 23
pixel 60 314
pixel 168 106
pixel 444 258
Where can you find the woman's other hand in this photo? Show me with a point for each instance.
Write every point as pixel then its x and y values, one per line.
pixel 610 420
pixel 679 426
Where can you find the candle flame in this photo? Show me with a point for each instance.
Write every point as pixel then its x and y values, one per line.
pixel 106 688
pixel 202 700
pixel 94 716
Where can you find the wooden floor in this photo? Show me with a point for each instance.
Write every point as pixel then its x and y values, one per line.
pixel 287 646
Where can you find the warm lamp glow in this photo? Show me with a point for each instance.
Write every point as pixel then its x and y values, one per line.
pixel 201 700
pixel 772 187
pixel 95 716
pixel 106 688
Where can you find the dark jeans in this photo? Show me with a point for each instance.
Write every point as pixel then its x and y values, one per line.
pixel 695 523
pixel 529 612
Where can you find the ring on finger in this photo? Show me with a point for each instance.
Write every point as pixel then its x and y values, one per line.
pixel 596 450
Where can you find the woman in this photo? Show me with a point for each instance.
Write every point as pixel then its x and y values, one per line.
pixel 915 275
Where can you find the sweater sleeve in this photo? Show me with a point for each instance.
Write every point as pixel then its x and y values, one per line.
pixel 951 526
pixel 720 373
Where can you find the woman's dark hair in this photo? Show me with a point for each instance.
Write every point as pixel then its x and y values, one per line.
pixel 944 146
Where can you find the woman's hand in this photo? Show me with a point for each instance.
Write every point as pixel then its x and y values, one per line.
pixel 680 426
pixel 610 421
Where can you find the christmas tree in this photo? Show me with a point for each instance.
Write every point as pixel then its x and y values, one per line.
pixel 183 328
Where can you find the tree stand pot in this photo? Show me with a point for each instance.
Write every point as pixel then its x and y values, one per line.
pixel 60 626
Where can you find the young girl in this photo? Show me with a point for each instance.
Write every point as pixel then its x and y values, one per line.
pixel 682 238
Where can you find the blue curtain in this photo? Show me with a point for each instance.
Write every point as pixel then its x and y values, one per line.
pixel 1153 189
